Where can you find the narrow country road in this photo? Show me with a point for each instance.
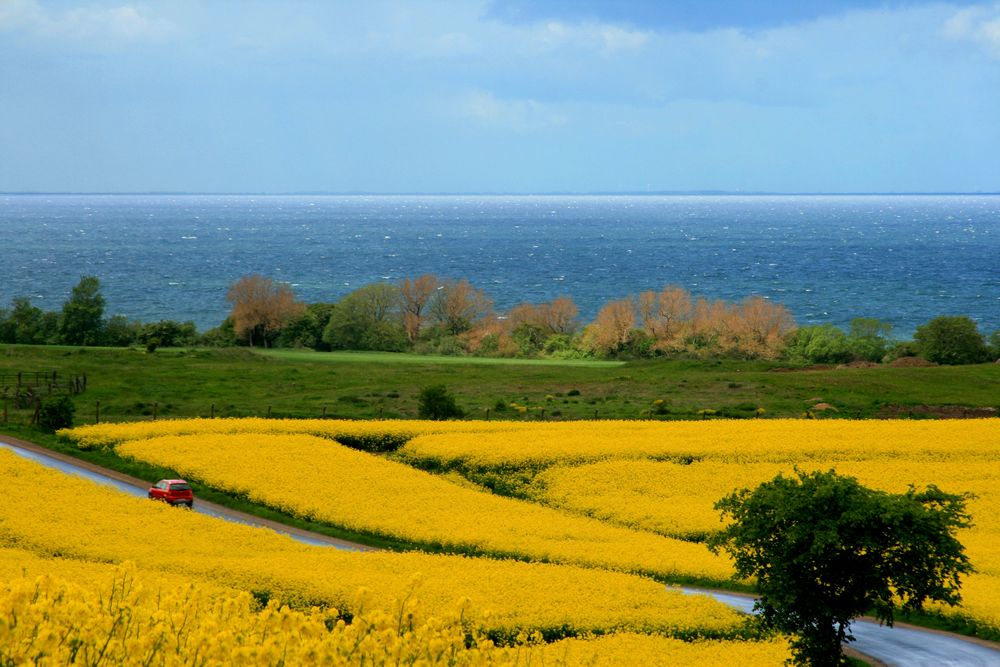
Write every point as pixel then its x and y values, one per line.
pixel 902 646
pixel 139 487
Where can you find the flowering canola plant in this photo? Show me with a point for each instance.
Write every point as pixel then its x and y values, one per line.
pixel 139 618
pixel 318 479
pixel 645 478
pixel 50 514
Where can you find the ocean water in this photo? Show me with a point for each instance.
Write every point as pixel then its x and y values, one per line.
pixel 903 259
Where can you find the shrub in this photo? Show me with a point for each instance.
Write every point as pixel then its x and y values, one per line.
pixel 951 340
pixel 56 413
pixel 437 403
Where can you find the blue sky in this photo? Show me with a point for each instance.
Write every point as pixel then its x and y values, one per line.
pixel 506 96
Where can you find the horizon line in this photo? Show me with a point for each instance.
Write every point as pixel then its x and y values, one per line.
pixel 553 193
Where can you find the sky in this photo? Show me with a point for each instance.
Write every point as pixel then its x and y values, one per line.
pixel 503 96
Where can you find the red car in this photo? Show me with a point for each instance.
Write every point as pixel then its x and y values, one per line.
pixel 173 491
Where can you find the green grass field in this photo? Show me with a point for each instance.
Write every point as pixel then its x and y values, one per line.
pixel 312 356
pixel 132 384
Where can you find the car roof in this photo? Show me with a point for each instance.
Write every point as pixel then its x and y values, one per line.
pixel 174 481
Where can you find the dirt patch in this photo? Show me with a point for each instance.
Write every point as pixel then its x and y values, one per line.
pixel 911 362
pixel 814 367
pixel 935 412
pixel 859 364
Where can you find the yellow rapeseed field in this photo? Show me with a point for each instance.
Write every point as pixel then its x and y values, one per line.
pixel 757 440
pixel 644 478
pixel 50 514
pixel 318 479
pixel 140 618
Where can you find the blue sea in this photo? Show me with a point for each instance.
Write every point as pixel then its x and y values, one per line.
pixel 903 259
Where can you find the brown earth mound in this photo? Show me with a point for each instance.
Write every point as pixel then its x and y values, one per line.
pixel 911 362
pixel 859 364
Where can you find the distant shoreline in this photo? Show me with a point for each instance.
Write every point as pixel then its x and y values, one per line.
pixel 627 193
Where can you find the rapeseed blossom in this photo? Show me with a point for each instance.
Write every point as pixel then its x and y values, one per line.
pixel 317 479
pixel 49 514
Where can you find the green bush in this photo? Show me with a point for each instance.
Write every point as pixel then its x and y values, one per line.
pixel 436 403
pixel 56 413
pixel 951 340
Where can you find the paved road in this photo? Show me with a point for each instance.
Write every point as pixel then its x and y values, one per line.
pixel 902 646
pixel 139 487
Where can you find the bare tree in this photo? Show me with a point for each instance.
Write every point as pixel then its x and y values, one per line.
pixel 415 295
pixel 612 328
pixel 665 313
pixel 762 326
pixel 559 315
pixel 458 307
pixel 261 306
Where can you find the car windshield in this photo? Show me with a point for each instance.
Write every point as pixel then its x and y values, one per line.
pixel 180 487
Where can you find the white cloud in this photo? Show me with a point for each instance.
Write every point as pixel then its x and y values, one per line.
pixel 100 26
pixel 484 109
pixel 603 38
pixel 979 25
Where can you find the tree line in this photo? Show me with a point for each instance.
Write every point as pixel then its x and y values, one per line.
pixel 433 315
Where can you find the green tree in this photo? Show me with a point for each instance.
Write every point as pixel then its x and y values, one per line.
pixel 825 550
pixel 951 340
pixel 82 315
pixel 869 338
pixel 822 344
pixel 120 332
pixel 437 403
pixel 306 330
pixel 994 345
pixel 367 319
pixel 27 324
pixel 56 412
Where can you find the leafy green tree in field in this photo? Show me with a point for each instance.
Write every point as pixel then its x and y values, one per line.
pixel 825 550
pixel 27 324
pixel 167 333
pixel 869 338
pixel 822 344
pixel 951 340
pixel 437 403
pixel 82 315
pixel 994 344
pixel 367 319
pixel 306 330
pixel 55 413
pixel 119 331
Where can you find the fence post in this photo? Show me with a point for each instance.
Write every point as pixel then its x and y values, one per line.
pixel 5 409
pixel 155 406
pixel 324 412
pixel 213 411
pixel 381 411
pixel 595 414
pixel 97 413
pixel 541 415
pixel 487 414
pixel 269 412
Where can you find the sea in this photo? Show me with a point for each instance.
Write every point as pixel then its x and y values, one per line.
pixel 899 258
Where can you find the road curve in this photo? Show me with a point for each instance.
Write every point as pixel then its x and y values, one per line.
pixel 900 646
pixel 138 487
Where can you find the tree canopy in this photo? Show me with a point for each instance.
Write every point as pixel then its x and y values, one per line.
pixel 951 340
pixel 261 306
pixel 83 314
pixel 824 550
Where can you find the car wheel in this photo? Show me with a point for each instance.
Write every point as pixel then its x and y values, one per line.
pixel 190 504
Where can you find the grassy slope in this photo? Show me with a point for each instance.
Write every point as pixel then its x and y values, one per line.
pixel 239 382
